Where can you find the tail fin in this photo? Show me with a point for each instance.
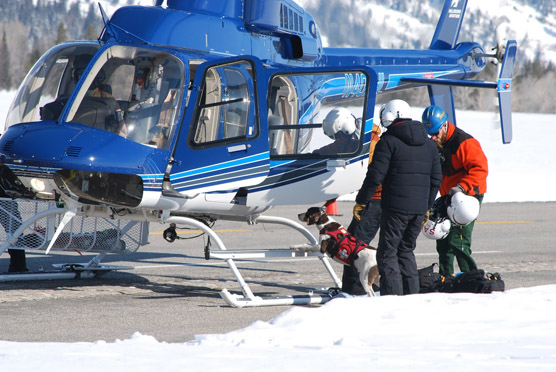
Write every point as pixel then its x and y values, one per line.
pixel 449 24
pixel 445 38
pixel 442 96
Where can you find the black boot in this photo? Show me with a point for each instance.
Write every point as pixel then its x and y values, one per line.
pixel 391 286
pixel 351 283
pixel 411 285
pixel 18 262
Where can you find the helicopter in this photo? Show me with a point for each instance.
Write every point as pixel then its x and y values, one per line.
pixel 189 112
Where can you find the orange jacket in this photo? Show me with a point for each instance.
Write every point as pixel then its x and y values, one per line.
pixel 375 137
pixel 463 163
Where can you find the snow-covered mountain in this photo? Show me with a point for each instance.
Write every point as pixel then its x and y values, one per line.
pixel 411 23
pixel 33 26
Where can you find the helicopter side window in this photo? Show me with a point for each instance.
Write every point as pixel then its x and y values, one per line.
pixel 226 107
pixel 316 114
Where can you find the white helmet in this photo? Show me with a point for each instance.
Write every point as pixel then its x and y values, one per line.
pixel 463 209
pixel 339 120
pixel 392 110
pixel 437 229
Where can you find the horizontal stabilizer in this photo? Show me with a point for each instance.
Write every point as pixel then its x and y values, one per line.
pixel 442 96
pixel 451 82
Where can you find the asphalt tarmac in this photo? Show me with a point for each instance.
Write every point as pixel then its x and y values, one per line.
pixel 173 293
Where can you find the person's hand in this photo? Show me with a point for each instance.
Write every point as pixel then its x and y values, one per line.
pixel 357 209
pixel 455 189
pixel 427 215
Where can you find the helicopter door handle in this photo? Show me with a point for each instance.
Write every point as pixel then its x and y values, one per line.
pixel 236 148
pixel 332 164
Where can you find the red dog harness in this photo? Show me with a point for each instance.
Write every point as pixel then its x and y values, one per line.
pixel 346 246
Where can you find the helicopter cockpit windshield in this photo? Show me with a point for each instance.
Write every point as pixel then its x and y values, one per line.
pixel 49 84
pixel 133 92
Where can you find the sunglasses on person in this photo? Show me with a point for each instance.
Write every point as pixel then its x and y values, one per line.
pixel 436 134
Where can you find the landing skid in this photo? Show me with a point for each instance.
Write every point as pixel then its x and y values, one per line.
pixel 248 299
pixel 242 301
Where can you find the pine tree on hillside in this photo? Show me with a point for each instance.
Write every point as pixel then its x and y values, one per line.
pixel 91 20
pixel 5 76
pixel 91 33
pixel 62 35
pixel 33 57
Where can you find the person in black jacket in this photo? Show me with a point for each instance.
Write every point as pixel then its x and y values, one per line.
pixel 407 164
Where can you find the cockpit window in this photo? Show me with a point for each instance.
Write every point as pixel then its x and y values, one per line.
pixel 226 105
pixel 132 92
pixel 49 84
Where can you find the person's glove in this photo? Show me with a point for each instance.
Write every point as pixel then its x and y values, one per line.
pixel 357 210
pixel 427 215
pixel 455 189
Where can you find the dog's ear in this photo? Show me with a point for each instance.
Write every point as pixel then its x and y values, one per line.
pixel 313 218
pixel 312 215
pixel 322 219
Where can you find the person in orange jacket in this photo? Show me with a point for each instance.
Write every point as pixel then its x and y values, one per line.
pixel 464 169
pixel 364 225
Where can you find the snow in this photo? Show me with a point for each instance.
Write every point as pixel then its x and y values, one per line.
pixel 533 31
pixel 504 331
pixel 108 5
pixel 509 331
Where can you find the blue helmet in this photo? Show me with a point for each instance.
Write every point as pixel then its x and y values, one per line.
pixel 433 119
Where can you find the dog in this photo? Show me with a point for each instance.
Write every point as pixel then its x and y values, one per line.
pixel 336 242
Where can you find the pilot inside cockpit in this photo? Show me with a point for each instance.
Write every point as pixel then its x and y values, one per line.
pixel 115 121
pixel 132 92
pixel 341 126
pixel 52 110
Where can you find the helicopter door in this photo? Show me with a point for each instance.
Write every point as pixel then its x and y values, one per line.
pixel 225 149
pixel 299 100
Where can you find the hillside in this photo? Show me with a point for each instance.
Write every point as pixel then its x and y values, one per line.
pixel 29 27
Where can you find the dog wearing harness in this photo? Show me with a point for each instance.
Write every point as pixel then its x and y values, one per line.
pixel 336 242
pixel 344 247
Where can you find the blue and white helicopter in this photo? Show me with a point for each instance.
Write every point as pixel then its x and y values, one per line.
pixel 186 112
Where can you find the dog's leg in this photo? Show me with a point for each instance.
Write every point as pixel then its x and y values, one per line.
pixel 363 265
pixel 374 276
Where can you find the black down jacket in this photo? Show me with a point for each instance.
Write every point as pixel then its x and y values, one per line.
pixel 407 164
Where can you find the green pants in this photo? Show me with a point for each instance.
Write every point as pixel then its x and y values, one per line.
pixel 457 244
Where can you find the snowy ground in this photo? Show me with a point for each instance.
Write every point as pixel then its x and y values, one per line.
pixel 510 331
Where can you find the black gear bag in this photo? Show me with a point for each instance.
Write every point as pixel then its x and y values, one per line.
pixel 429 280
pixel 475 281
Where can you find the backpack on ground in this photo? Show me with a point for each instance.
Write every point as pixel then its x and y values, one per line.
pixel 429 280
pixel 476 281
